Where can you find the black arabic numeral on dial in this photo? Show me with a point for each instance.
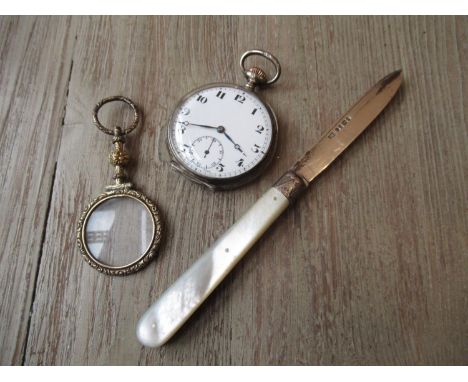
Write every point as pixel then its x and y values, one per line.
pixel 183 126
pixel 220 167
pixel 186 148
pixel 220 94
pixel 202 99
pixel 239 98
pixel 259 129
pixel 254 111
pixel 256 149
pixel 240 162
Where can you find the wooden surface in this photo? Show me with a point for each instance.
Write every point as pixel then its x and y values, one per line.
pixel 369 267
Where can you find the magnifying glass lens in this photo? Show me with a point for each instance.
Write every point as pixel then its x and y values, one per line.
pixel 119 231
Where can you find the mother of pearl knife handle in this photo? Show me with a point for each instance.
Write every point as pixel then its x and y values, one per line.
pixel 180 300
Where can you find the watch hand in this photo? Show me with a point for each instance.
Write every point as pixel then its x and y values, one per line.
pixel 236 146
pixel 208 150
pixel 195 124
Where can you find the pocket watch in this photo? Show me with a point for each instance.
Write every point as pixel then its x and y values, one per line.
pixel 223 135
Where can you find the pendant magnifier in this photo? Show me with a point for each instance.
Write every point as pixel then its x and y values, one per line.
pixel 119 232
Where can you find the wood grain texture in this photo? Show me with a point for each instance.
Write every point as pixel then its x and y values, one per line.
pixel 35 59
pixel 370 266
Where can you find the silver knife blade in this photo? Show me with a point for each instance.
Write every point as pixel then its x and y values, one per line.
pixel 348 127
pixel 175 305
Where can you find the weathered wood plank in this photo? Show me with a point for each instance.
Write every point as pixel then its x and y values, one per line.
pixel 35 60
pixel 369 267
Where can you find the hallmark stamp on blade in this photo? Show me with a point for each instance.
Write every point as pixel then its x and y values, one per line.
pixel 341 125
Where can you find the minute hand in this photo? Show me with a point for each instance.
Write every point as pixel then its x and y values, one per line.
pixel 181 299
pixel 207 126
pixel 236 146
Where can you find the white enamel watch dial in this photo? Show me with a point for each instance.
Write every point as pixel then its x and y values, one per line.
pixel 221 134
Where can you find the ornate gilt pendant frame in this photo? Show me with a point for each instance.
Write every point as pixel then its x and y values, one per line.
pixel 145 258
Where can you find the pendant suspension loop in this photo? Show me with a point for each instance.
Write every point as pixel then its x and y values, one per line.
pixel 255 75
pixel 126 130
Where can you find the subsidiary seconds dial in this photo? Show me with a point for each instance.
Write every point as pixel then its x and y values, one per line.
pixel 206 152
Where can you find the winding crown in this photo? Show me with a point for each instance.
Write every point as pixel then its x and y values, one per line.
pixel 257 75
